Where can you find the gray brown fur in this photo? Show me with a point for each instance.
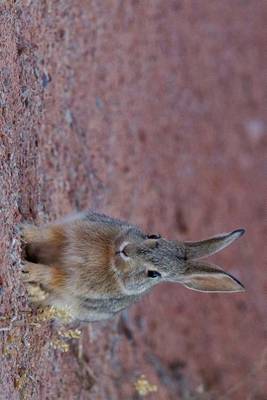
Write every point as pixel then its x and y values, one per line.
pixel 97 265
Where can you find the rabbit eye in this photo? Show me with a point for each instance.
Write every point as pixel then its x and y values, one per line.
pixel 153 236
pixel 153 274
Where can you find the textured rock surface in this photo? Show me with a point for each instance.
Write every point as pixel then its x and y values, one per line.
pixel 151 111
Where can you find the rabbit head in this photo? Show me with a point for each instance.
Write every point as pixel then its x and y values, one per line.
pixel 141 264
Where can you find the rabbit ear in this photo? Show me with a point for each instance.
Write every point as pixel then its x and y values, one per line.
pixel 204 248
pixel 209 278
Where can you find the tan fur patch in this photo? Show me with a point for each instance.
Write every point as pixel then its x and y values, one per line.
pixel 58 277
pixel 30 233
pixel 56 235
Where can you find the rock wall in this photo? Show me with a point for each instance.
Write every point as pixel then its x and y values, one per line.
pixel 153 111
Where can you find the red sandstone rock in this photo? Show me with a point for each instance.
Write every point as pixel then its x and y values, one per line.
pixel 153 111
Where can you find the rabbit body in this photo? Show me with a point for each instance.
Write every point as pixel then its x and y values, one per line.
pixel 97 265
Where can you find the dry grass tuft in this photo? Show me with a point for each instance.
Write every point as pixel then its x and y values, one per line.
pixel 143 387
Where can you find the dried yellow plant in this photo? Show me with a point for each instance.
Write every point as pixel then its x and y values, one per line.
pixel 143 387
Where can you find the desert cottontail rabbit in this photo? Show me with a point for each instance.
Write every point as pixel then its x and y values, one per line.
pixel 97 265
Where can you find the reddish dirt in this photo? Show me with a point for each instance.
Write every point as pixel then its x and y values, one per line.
pixel 151 111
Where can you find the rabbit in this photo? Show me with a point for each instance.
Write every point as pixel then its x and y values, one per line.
pixel 97 265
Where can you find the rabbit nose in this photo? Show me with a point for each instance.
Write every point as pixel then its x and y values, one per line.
pixel 126 250
pixel 129 250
